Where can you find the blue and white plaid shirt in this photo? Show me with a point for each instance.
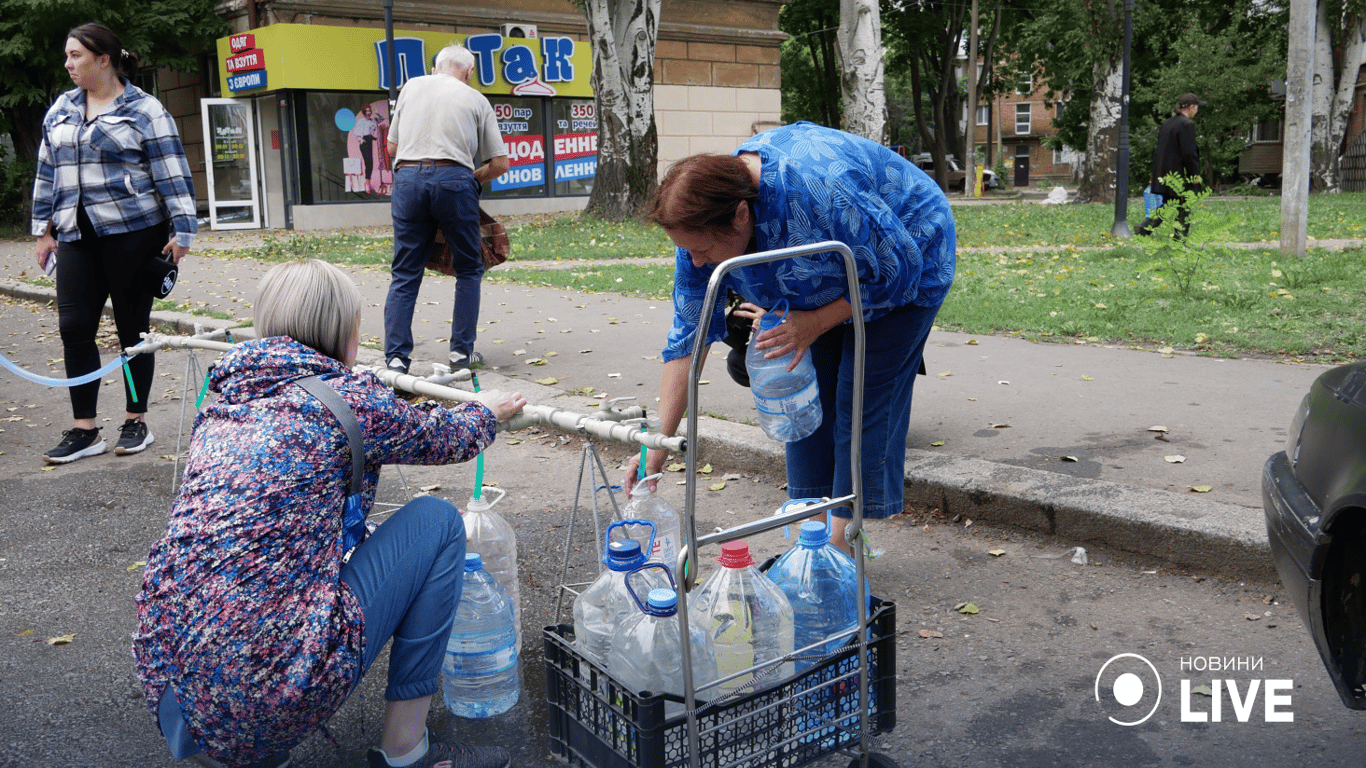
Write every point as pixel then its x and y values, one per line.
pixel 126 167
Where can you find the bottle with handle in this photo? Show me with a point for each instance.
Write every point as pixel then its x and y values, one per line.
pixel 647 649
pixel 821 582
pixel 492 538
pixel 645 504
pixel 480 671
pixel 748 619
pixel 602 608
pixel 788 402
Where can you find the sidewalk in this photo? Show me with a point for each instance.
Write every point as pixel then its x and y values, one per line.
pixel 991 424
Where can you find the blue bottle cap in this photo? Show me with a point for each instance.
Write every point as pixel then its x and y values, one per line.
pixel 813 534
pixel 774 316
pixel 663 598
pixel 624 555
pixel 473 562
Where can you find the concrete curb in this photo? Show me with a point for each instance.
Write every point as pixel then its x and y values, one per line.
pixel 1185 530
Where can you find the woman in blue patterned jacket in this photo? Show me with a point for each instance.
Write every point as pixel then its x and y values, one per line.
pixel 111 173
pixel 252 630
pixel 791 186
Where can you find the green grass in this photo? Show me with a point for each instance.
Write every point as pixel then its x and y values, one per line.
pixel 651 282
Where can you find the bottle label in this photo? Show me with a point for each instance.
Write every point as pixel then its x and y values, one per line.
pixel 789 404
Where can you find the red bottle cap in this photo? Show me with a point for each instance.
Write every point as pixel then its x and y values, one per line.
pixel 735 554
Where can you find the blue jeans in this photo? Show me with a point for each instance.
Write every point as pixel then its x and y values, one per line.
pixel 425 198
pixel 407 576
pixel 819 464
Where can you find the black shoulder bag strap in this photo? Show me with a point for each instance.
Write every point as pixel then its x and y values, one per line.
pixel 353 521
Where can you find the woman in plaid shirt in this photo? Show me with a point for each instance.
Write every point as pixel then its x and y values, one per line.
pixel 111 175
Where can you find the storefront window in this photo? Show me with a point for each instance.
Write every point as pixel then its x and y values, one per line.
pixel 346 157
pixel 522 123
pixel 576 146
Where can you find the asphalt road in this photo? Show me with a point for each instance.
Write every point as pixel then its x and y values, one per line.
pixel 1012 685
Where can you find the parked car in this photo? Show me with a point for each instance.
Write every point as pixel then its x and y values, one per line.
pixel 1314 497
pixel 925 162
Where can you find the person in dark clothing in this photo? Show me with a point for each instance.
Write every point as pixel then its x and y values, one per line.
pixel 1176 153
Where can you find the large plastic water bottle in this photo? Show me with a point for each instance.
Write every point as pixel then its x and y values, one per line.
pixel 821 582
pixel 789 402
pixel 605 605
pixel 668 533
pixel 492 538
pixel 647 651
pixel 747 617
pixel 479 673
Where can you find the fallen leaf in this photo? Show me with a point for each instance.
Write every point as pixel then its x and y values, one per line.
pixel 62 640
pixel 677 466
pixel 717 486
pixel 514 442
pixel 1201 488
pixel 971 342
pixel 1174 459
pixel 548 381
pixel 967 608
pixel 1002 382
pixel 997 621
pixel 946 373
pixel 1267 600
pixel 1203 690
pixel 1252 616
pixel 1084 377
pixel 518 352
pixel 430 488
pixel 705 470
pixel 1000 426
pixel 1067 458
pixel 136 565
pixel 937 443
pixel 972 399
pixel 996 552
pixel 1157 428
pixel 928 633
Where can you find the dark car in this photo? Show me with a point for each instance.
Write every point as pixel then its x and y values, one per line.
pixel 1314 495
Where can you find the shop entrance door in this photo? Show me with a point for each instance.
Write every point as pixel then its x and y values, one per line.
pixel 230 157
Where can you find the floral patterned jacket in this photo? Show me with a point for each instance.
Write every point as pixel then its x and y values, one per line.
pixel 242 611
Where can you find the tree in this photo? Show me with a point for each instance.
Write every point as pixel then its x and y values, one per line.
pixel 163 33
pixel 624 33
pixel 810 69
pixel 1340 37
pixel 860 46
pixel 925 39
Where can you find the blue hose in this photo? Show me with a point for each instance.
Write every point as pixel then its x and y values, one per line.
pixel 76 382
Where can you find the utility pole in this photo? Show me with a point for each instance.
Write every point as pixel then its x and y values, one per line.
pixel 1299 91
pixel 970 135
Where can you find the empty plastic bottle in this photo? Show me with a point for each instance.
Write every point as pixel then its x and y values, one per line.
pixel 606 604
pixel 647 505
pixel 789 402
pixel 647 650
pixel 821 583
pixel 492 538
pixel 747 617
pixel 479 673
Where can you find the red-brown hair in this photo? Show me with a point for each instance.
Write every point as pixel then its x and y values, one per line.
pixel 700 193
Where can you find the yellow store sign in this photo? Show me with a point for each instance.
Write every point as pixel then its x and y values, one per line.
pixel 324 58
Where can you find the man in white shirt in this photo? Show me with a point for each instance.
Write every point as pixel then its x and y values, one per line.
pixel 445 142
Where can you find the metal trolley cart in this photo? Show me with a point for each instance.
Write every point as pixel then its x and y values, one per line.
pixel 835 706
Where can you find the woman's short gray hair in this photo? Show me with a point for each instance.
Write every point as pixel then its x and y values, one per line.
pixel 309 301
pixel 454 57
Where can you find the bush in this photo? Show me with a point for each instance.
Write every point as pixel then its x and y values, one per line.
pixel 16 184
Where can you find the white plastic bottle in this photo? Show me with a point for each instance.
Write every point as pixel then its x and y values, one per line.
pixel 479 673
pixel 647 505
pixel 647 651
pixel 606 604
pixel 748 619
pixel 788 402
pixel 492 538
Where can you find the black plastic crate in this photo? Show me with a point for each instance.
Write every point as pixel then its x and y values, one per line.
pixel 594 722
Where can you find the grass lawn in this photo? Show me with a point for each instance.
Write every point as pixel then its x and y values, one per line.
pixel 1045 272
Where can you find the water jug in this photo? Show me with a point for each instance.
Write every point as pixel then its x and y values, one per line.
pixel 821 583
pixel 647 650
pixel 479 673
pixel 747 617
pixel 646 505
pixel 789 402
pixel 489 535
pixel 601 608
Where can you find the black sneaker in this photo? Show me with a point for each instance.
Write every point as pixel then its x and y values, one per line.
pixel 397 365
pixel 134 436
pixel 76 443
pixel 460 362
pixel 441 754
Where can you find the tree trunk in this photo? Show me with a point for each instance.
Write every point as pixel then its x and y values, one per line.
pixel 1332 101
pixel 1102 140
pixel 860 46
pixel 624 34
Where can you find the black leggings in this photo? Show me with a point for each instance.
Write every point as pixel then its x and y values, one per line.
pixel 89 271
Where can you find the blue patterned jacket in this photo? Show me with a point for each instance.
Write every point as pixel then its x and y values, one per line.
pixel 818 184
